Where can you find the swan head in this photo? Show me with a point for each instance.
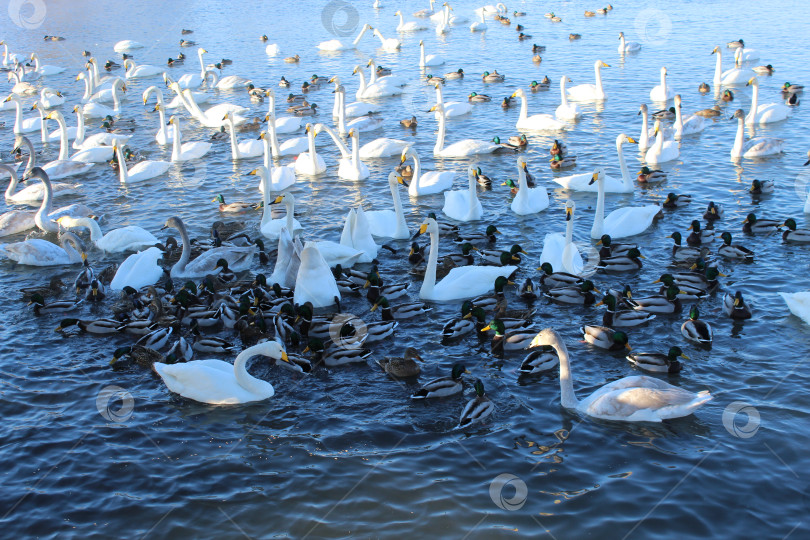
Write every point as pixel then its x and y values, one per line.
pixel 738 114
pixel 518 93
pixel 569 210
pixel 521 163
pixel 752 82
pixel 716 50
pixel 621 35
pixel 598 175
pixel 623 138
pixel 663 70
pixel 174 222
pixel 406 153
pixel 429 226
pixel 546 337
pixel 600 64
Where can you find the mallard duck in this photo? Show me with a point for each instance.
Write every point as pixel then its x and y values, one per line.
pixel 181 350
pixel 510 146
pixel 99 327
pixel 582 294
pixel 472 318
pixel 143 356
pixel 493 77
pixel 407 366
pixel 497 257
pixel 54 287
pixel 458 74
pixel 552 279
pixel 602 11
pixel 212 345
pixel 710 113
pixel 465 257
pixel 538 48
pixel 376 288
pixel 735 251
pixel 704 88
pixel 519 13
pixel 736 307
pixel 616 317
pixel 490 301
pixel 539 360
pixel 445 386
pixel 699 237
pixel 409 123
pixel 682 253
pixel 187 43
pixel 727 96
pixel 589 13
pixel 605 338
pixel 761 187
pixel 292 59
pixel 695 329
pixel 668 303
pixel 536 86
pixel 573 37
pixel 691 286
pixel 622 263
pixel 476 238
pixel 793 234
pixel 657 362
pixel 713 212
pixel 527 290
pixel 612 249
pixel 54 38
pixel 560 162
pixel 477 409
pixel 306 111
pixel 507 102
pixel 764 70
pixel 752 225
pixel 507 341
pixel 333 356
pixel 185 32
pixel 41 308
pixel 378 330
pixel 482 179
pixel 96 292
pixel 522 36
pixel 434 79
pixel 284 83
pixel 537 59
pixel 788 88
pixel 400 311
pixel 232 207
pixel 674 201
pixel 480 98
pixel 664 114
pixel 647 175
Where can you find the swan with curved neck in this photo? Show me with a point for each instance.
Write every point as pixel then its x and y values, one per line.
pixel 387 223
pixel 463 148
pixel 764 114
pixel 352 168
pixel 582 182
pixel 218 383
pixel 427 182
pixel 245 149
pixel 565 111
pixel 239 258
pixel 143 170
pixel 428 60
pixel 759 146
pixel 129 238
pixel 630 399
pixel 463 205
pixel 535 122
pixel 345 153
pixel 283 124
pixel 590 92
pixel 271 228
pixel 21 125
pixel 623 222
pixel 693 124
pixel 462 282
pixel 46 217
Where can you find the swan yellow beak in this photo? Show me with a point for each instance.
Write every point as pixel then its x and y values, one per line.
pixel 605 65
pixel 278 199
pixel 423 228
pixel 351 133
pixel 594 177
pixel 514 94
pixel 284 356
pixel 632 140
pixel 568 212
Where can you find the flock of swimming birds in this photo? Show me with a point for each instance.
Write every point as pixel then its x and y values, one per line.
pixel 174 297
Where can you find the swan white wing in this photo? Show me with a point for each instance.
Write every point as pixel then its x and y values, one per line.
pixel 63 168
pixel 581 182
pixel 16 221
pixel 97 154
pixel 138 270
pixel 334 253
pixel 572 260
pixel 145 170
pixel 209 381
pixel 359 108
pixel 642 399
pixel 383 147
pixel 430 182
pixel 292 146
pixel 194 150
pixel 582 92
pixel 288 124
pixel 541 122
pixel 533 201
pixel 315 282
pixel 553 247
pixel 798 304
pixel 36 192
pixel 468 147
pixel 37 252
pixel 127 239
pixel 272 229
pixel 251 148
pixel 383 223
pixel 762 146
pixel 630 220
pixel 469 281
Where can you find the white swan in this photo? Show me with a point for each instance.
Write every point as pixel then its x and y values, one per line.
pixel 798 303
pixel 430 60
pixel 229 82
pixel 426 182
pixel 50 98
pixel 310 163
pixel 21 87
pixel 46 216
pixel 315 282
pixel 662 92
pixel 462 282
pixel 61 167
pixel 271 228
pixel 280 179
pixel 242 149
pixel 179 100
pixel 731 77
pixel 357 234
pixel 193 80
pixel 352 168
pixel 623 222
pixel 288 260
pixel 39 252
pixel 627 46
pixel 293 146
pixel 218 383
pixel 138 270
pixel 560 251
pixel 337 45
pixel 163 136
pixel 535 122
pixel 239 258
pixel 283 124
pixel 462 148
pixel 212 117
pixel 756 147
pixel 528 200
pixel 565 111
pixel 382 148
pixel 463 204
pixel 143 170
pixel 380 88
pixel 410 26
pixel 644 139
pixel 97 139
pixel 135 72
pixel 96 110
pixel 766 113
pixel 126 46
pixel 32 193
pixel 390 223
pixel 662 150
pixel 582 182
pixel 590 92
pixel 129 238
pixel 479 26
pixel 186 151
pixel 690 126
pixel 451 108
pixel 350 110
pixel 388 44
pixel 363 123
pixel 22 125
pixel 630 399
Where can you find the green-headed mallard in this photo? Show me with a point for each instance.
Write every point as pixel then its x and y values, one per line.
pixel 713 212
pixel 458 74
pixel 400 312
pixel 478 408
pixel 735 251
pixel 538 360
pixel 508 145
pixel 490 301
pixel 406 366
pixel 674 201
pixel 752 225
pixel 736 307
pixel 502 258
pixel 699 237
pixel 728 95
pixel 482 179
pixel 479 98
pixel 582 294
pixel 507 102
pixel 695 329
pixel 232 207
pixel 647 175
pixel 624 318
pixel 508 341
pixel 683 253
pixel 657 362
pixel 691 286
pixel 472 317
pixel 666 303
pixel 789 88
pixel 62 306
pixel 612 249
pixel 476 238
pixel 664 114
pixel 444 386
pixel 764 70
pixel 552 279
pixel 99 327
pixel 143 356
pixel 605 338
pixel 628 262
pixel 761 187
pixel 560 162
pixel 793 234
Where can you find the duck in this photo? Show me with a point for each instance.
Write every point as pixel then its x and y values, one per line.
pixel 478 98
pixel 37 300
pixel 552 279
pixel 668 303
pixel 477 409
pixel 675 201
pixel 581 294
pixel 710 113
pixel 735 251
pixel 604 338
pixel 647 175
pixel 239 258
pixel 472 318
pixel 400 311
pixel 657 362
pixel 698 237
pixel 504 340
pixel 99 327
pixel 622 263
pixel 406 366
pixel 409 123
pixel 616 317
pixel 713 212
pixel 695 329
pixel 794 234
pixel 682 253
pixel 558 162
pixel 445 386
pixel 492 77
pixel 727 96
pixel 143 356
pixel 544 84
pixel 764 70
pixel 752 225
pixel 736 307
pixel 761 187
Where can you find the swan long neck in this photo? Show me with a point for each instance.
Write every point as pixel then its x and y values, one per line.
pixel 176 141
pixel 18 115
pixel 243 378
pixel 289 204
pixel 344 150
pixel 234 145
pixel 79 140
pixel 63 137
pixel 563 98
pixel 267 214
pixel 360 35
pixel 524 107
pixel 88 90
pixel 664 82
pixel 341 111
pixel 569 230
pixel 599 217
pixel 311 140
pixel 163 129
pixel 95 230
pixel 123 173
pixel 600 91
pixel 473 198
pixel 678 120
pixel 42 217
pixel 271 129
pixel 568 398
pixel 185 256
pixel 628 184
pixel 202 64
pixel 362 82
pixel 356 150
pixel 718 69
pixel 13 179
pixel 737 149
pixel 43 123
pixel 31 156
pixel 96 78
pixel 523 184
pixel 421 55
pixel 433 260
pixel 752 114
pixel 372 78
pixel 402 225
pixel 437 148
pixel 413 189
